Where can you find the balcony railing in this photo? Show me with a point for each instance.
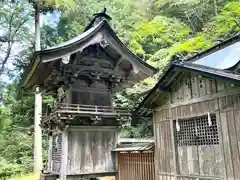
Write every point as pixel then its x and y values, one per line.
pixel 84 110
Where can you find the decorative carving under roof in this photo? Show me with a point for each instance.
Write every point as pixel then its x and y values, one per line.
pixel 95 55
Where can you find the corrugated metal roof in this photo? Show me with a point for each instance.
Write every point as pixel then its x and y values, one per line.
pixel 149 147
pixel 228 75
pixel 134 145
pixel 135 140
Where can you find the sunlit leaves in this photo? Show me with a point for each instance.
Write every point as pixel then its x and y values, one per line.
pixel 141 130
pixel 123 12
pixel 57 4
pixel 161 32
pixel 51 5
pixel 227 23
pixel 195 13
pixel 65 4
pixel 5 119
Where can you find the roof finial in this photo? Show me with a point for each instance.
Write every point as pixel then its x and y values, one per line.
pixel 103 14
pixel 104 10
pixel 98 17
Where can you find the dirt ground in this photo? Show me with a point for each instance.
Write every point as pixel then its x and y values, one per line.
pixel 107 178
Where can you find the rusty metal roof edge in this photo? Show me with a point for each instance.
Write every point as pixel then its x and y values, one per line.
pixel 134 149
pixel 135 145
pixel 136 140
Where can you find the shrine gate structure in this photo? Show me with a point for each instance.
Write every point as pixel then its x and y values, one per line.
pixel 84 73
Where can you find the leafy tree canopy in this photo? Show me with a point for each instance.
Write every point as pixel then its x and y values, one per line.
pixel 157 31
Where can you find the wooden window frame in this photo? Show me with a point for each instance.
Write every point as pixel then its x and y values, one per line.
pixel 197 131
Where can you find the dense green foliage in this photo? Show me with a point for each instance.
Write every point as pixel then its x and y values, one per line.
pixel 156 30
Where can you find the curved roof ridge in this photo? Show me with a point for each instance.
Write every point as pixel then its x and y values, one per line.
pixel 90 32
pixel 75 39
pixel 129 51
pixel 100 31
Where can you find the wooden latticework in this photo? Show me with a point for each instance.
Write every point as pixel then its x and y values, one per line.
pixel 197 131
pixel 138 166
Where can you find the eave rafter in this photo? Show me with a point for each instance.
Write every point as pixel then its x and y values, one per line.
pixel 101 45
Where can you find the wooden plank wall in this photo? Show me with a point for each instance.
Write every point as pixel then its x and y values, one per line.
pixel 230 129
pixel 91 98
pixel 191 86
pixel 193 96
pixel 97 94
pixel 138 166
pixel 56 153
pixel 164 150
pixel 90 151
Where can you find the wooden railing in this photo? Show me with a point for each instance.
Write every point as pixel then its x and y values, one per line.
pixel 88 109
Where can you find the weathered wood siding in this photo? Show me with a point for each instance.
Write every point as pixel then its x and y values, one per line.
pixel 91 98
pixel 56 153
pixel 138 166
pixel 96 94
pixel 229 121
pixel 193 96
pixel 89 150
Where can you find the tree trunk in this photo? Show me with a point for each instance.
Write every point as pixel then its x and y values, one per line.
pixel 37 26
pixel 215 7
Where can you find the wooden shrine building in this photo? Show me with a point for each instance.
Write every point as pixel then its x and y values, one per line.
pixel 196 116
pixel 84 73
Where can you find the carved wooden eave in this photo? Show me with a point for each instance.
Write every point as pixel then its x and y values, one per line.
pixel 120 63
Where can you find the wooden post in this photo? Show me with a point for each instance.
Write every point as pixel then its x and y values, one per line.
pixel 174 148
pixel 37 132
pixel 64 159
pixel 37 26
pixel 38 101
pixel 50 141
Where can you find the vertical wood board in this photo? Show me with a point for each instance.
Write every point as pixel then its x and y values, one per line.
pixel 164 148
pixel 226 145
pixel 234 149
pixel 136 165
pixel 90 152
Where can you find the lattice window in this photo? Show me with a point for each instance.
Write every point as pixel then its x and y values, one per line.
pixel 197 131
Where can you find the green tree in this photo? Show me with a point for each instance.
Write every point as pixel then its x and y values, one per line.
pixel 161 32
pixel 195 13
pixel 157 31
pixel 15 23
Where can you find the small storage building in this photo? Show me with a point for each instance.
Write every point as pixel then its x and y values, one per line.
pixel 135 159
pixel 196 116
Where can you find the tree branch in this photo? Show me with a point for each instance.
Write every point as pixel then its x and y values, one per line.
pixel 17 29
pixel 11 35
pixel 9 46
